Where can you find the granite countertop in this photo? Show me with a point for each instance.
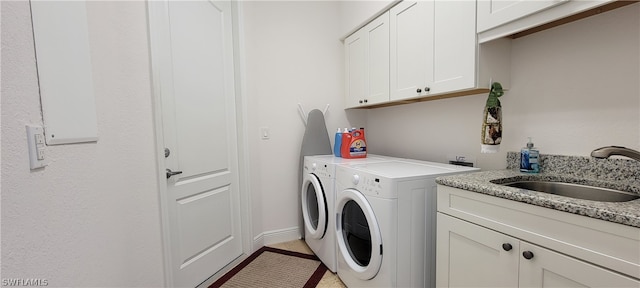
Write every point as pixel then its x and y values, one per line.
pixel 619 174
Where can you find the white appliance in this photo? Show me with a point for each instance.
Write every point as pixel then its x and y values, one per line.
pixel 318 202
pixel 385 222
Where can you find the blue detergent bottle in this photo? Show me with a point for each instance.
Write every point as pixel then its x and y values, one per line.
pixel 337 143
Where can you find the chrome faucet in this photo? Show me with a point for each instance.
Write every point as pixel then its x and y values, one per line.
pixel 606 152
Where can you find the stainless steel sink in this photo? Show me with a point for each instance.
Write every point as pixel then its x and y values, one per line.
pixel 575 191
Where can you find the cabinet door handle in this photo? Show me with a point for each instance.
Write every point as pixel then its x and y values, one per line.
pixel 360 101
pixel 419 90
pixel 365 100
pixel 527 255
pixel 507 247
pixel 427 89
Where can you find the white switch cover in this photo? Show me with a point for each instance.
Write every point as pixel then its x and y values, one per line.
pixel 35 141
pixel 264 133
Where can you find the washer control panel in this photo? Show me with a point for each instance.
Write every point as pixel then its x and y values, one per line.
pixel 320 169
pixel 364 182
pixel 369 184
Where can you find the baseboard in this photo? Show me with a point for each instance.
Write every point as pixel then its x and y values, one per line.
pixel 223 271
pixel 276 236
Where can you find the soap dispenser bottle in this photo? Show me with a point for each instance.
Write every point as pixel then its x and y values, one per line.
pixel 529 158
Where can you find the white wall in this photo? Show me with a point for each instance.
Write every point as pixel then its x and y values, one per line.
pixel 293 55
pixel 574 88
pixel 90 218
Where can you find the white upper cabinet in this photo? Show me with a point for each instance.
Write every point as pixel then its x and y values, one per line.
pixel 367 64
pixel 421 49
pixel 493 13
pixel 434 50
pixel 431 49
pixel 501 18
pixel 455 49
pixel 377 39
pixel 411 49
pixel 354 51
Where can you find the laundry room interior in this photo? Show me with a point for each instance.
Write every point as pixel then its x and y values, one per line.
pixel 99 212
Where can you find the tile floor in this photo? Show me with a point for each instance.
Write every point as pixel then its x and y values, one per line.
pixel 328 280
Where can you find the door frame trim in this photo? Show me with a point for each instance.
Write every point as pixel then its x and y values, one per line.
pixel 154 25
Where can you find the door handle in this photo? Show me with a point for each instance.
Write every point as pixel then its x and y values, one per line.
pixel 171 173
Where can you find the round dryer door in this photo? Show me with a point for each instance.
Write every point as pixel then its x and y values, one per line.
pixel 358 234
pixel 314 207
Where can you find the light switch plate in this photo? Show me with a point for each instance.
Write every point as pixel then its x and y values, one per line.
pixel 35 141
pixel 264 133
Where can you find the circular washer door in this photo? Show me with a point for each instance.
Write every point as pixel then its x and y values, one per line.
pixel 314 207
pixel 358 234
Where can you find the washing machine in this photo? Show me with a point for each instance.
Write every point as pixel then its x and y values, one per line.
pixel 385 222
pixel 318 202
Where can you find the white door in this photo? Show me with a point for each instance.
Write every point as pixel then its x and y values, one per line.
pixel 192 54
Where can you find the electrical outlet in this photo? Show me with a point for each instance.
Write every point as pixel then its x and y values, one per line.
pixel 461 159
pixel 35 142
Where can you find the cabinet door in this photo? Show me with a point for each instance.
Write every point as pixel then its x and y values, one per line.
pixel 355 64
pixel 472 256
pixel 493 13
pixel 546 268
pixel 411 25
pixel 367 64
pixel 454 50
pixel 376 35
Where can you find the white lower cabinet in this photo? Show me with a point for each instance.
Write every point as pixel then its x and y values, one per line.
pixel 488 241
pixel 470 255
pixel 547 268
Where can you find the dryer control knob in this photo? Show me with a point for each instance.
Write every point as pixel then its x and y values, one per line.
pixel 355 179
pixel 314 166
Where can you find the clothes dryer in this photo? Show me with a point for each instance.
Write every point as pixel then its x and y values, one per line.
pixel 385 222
pixel 318 202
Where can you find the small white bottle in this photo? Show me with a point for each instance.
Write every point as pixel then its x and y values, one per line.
pixel 529 158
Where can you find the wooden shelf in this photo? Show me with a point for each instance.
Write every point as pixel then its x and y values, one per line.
pixel 572 18
pixel 427 98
